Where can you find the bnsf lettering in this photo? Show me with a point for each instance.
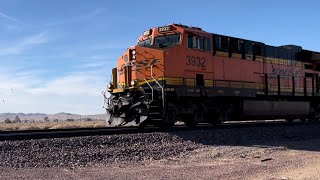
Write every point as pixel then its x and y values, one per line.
pixel 285 72
pixel 195 61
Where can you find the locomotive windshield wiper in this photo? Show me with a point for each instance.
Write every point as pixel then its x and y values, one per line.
pixel 162 45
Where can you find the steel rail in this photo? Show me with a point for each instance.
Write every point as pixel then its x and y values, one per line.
pixel 63 133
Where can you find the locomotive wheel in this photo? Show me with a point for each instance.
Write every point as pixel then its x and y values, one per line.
pixel 191 120
pixel 169 120
pixel 191 123
pixel 216 123
pixel 313 117
pixel 216 118
pixel 187 119
pixel 289 120
pixel 163 125
pixel 171 117
pixel 303 120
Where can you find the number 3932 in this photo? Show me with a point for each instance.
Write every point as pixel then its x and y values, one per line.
pixel 195 61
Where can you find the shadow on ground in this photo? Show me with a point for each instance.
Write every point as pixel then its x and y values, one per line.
pixel 296 137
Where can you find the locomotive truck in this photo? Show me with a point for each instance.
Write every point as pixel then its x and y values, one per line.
pixel 183 73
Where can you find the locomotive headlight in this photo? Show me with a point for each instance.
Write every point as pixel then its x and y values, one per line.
pixel 133 83
pixel 132 54
pixel 109 86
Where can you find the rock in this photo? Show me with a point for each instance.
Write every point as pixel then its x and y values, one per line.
pixel 137 148
pixel 266 159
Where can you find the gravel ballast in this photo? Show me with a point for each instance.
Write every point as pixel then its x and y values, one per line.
pixel 138 148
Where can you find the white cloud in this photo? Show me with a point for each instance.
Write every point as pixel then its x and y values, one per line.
pixel 10 18
pixel 22 45
pixel 79 18
pixel 78 93
pixel 27 90
pixel 74 84
pixel 93 64
pixel 12 28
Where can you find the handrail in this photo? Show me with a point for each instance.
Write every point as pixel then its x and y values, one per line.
pixel 150 88
pixel 138 73
pixel 162 90
pixel 106 100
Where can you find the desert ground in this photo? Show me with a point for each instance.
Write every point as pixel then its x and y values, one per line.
pixel 290 152
pixel 51 125
pixel 207 163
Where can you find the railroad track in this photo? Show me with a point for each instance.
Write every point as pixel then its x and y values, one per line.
pixel 62 133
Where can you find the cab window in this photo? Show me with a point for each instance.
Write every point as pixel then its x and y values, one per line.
pixel 198 42
pixel 167 41
pixel 145 43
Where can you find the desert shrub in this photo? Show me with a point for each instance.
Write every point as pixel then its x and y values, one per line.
pixel 70 120
pixel 17 120
pixel 46 119
pixel 7 120
pixel 87 119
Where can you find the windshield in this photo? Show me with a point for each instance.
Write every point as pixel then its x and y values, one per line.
pixel 145 43
pixel 167 41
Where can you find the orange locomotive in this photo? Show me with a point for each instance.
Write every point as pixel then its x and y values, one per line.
pixel 182 73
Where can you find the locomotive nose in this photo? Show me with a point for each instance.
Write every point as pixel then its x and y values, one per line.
pixel 130 54
pixel 126 64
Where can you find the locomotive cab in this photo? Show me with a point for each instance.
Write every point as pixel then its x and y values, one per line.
pixel 138 82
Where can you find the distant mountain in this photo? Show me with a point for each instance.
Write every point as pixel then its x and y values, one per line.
pixel 41 116
pixel 63 113
pixel 23 114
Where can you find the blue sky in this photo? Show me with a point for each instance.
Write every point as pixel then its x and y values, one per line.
pixel 56 56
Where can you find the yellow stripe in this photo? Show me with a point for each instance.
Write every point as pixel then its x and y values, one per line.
pixel 236 55
pixel 249 57
pixel 286 89
pixel 222 83
pixel 222 54
pixel 261 86
pixel 309 89
pixel 299 89
pixel 190 82
pixel 151 80
pixel 250 85
pixel 299 94
pixel 273 88
pixel 208 83
pixel 236 84
pixel 232 84
pixel 173 81
pixel 118 90
pixel 282 61
pixel 259 58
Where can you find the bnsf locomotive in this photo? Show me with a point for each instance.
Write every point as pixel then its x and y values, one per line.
pixel 182 73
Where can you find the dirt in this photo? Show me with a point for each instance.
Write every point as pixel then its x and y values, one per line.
pixel 51 125
pixel 173 156
pixel 222 162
